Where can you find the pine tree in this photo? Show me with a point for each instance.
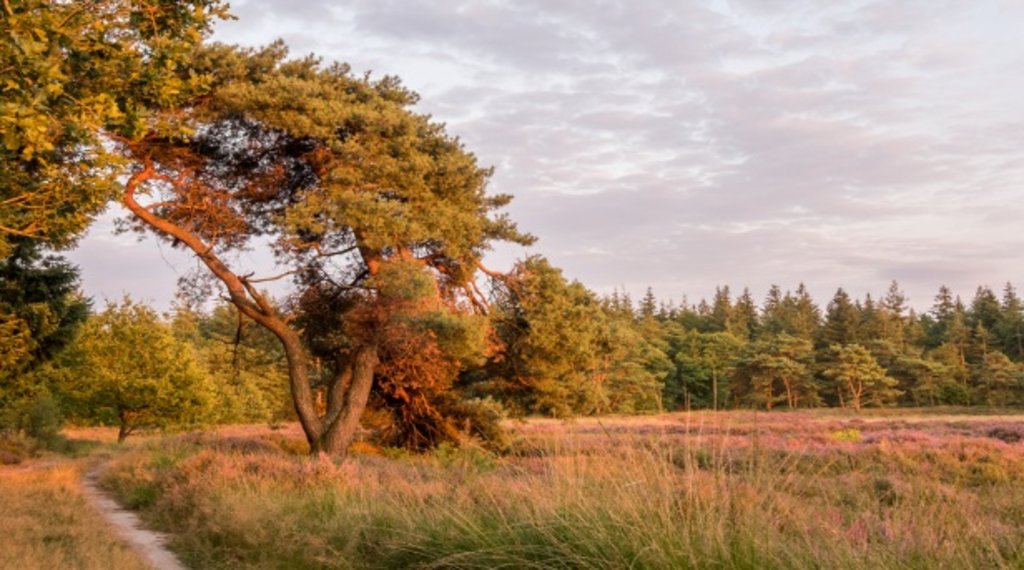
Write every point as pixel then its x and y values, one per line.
pixel 892 308
pixel 803 317
pixel 841 321
pixel 859 379
pixel 772 318
pixel 648 305
pixel 1010 329
pixel 743 324
pixel 720 317
pixel 985 309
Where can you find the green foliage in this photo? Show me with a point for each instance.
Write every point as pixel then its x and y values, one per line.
pixel 40 311
pixel 37 416
pixel 244 362
pixel 70 72
pixel 128 369
pixel 859 379
pixel 562 353
pixel 704 363
pixel 776 370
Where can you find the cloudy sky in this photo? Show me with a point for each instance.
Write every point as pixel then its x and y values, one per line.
pixel 681 144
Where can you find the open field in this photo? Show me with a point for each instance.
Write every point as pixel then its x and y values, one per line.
pixel 728 490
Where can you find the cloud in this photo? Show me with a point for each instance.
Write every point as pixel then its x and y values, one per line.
pixel 683 144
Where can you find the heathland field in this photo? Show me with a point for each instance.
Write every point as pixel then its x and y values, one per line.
pixel 701 490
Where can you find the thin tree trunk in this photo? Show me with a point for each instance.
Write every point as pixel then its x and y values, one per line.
pixel 124 428
pixel 714 390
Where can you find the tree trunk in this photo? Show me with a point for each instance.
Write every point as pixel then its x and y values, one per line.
pixel 123 431
pixel 346 402
pixel 856 391
pixel 714 390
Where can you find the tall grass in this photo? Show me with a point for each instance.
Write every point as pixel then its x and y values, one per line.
pixel 45 524
pixel 772 492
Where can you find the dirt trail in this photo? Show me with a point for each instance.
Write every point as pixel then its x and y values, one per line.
pixel 148 544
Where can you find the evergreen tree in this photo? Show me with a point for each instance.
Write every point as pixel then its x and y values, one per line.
pixel 802 315
pixel 871 320
pixel 648 305
pixel 859 379
pixel 704 363
pixel 74 72
pixel 841 321
pixel 743 324
pixel 776 370
pixel 720 315
pixel 999 380
pixel 894 321
pixel 40 313
pixel 772 317
pixel 925 381
pixel 1010 328
pixel 985 309
pixel 942 313
pixel 549 330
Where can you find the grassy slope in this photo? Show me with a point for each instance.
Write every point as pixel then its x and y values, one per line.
pixel 737 490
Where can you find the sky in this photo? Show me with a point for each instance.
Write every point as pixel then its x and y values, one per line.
pixel 684 144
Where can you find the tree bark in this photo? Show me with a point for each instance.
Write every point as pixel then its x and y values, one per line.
pixel 346 402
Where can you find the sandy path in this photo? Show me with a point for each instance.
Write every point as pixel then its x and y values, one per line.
pixel 148 544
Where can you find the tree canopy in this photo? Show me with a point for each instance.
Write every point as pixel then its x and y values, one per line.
pixel 373 208
pixel 70 73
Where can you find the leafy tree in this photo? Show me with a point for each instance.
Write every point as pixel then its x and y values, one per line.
pixel 549 331
pixel 244 361
pixel 859 379
pixel 128 369
pixel 353 188
pixel 999 379
pixel 704 361
pixel 776 370
pixel 70 72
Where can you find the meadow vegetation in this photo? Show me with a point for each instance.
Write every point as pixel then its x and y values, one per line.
pixel 46 523
pixel 734 490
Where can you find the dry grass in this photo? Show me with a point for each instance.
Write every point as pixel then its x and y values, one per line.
pixel 737 490
pixel 47 525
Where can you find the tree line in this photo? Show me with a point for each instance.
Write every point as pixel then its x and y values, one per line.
pixel 380 220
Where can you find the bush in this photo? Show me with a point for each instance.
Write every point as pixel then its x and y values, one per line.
pixel 38 416
pixel 42 418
